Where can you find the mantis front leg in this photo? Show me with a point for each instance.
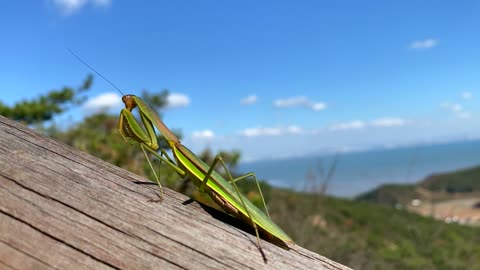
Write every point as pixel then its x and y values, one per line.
pixel 168 160
pixel 154 173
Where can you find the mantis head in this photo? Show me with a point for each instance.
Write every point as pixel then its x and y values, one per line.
pixel 129 101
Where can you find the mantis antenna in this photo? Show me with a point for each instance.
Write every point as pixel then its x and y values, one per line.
pixel 103 77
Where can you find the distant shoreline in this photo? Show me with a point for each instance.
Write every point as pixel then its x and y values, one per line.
pixel 360 172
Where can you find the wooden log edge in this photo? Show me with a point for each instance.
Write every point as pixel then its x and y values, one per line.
pixel 61 208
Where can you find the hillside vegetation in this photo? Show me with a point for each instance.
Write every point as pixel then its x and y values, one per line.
pixel 367 236
pixel 436 187
pixel 462 181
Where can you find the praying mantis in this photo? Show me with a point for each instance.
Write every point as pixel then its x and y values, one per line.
pixel 223 191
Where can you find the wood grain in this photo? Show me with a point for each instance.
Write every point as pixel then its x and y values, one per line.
pixel 61 208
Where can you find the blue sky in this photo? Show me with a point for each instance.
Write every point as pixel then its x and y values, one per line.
pixel 273 79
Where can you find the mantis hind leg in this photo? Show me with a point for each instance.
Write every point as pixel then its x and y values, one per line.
pixel 217 159
pixel 233 181
pixel 252 174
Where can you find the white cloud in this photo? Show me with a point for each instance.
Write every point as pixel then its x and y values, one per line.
pixel 271 131
pixel 388 122
pixel 294 129
pixel 423 44
pixel 175 100
pixel 249 100
pixel 467 95
pixel 319 106
pixel 347 125
pixel 357 124
pixel 291 102
pixel 68 7
pixel 456 109
pixel 103 102
pixel 203 134
pixel 299 101
pixel 260 131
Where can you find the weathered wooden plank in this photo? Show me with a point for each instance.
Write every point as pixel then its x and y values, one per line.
pixel 61 208
pixel 28 254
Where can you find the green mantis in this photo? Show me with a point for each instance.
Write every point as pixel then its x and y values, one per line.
pixel 223 191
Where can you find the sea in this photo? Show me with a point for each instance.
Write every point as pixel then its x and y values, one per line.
pixel 358 172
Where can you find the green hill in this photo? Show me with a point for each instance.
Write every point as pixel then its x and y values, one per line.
pixel 368 236
pixel 390 194
pixel 435 187
pixel 462 181
pixel 378 236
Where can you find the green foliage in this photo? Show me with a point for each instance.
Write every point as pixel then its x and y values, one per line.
pixel 467 180
pixel 45 107
pixel 442 185
pixel 367 236
pixel 390 194
pixel 98 136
